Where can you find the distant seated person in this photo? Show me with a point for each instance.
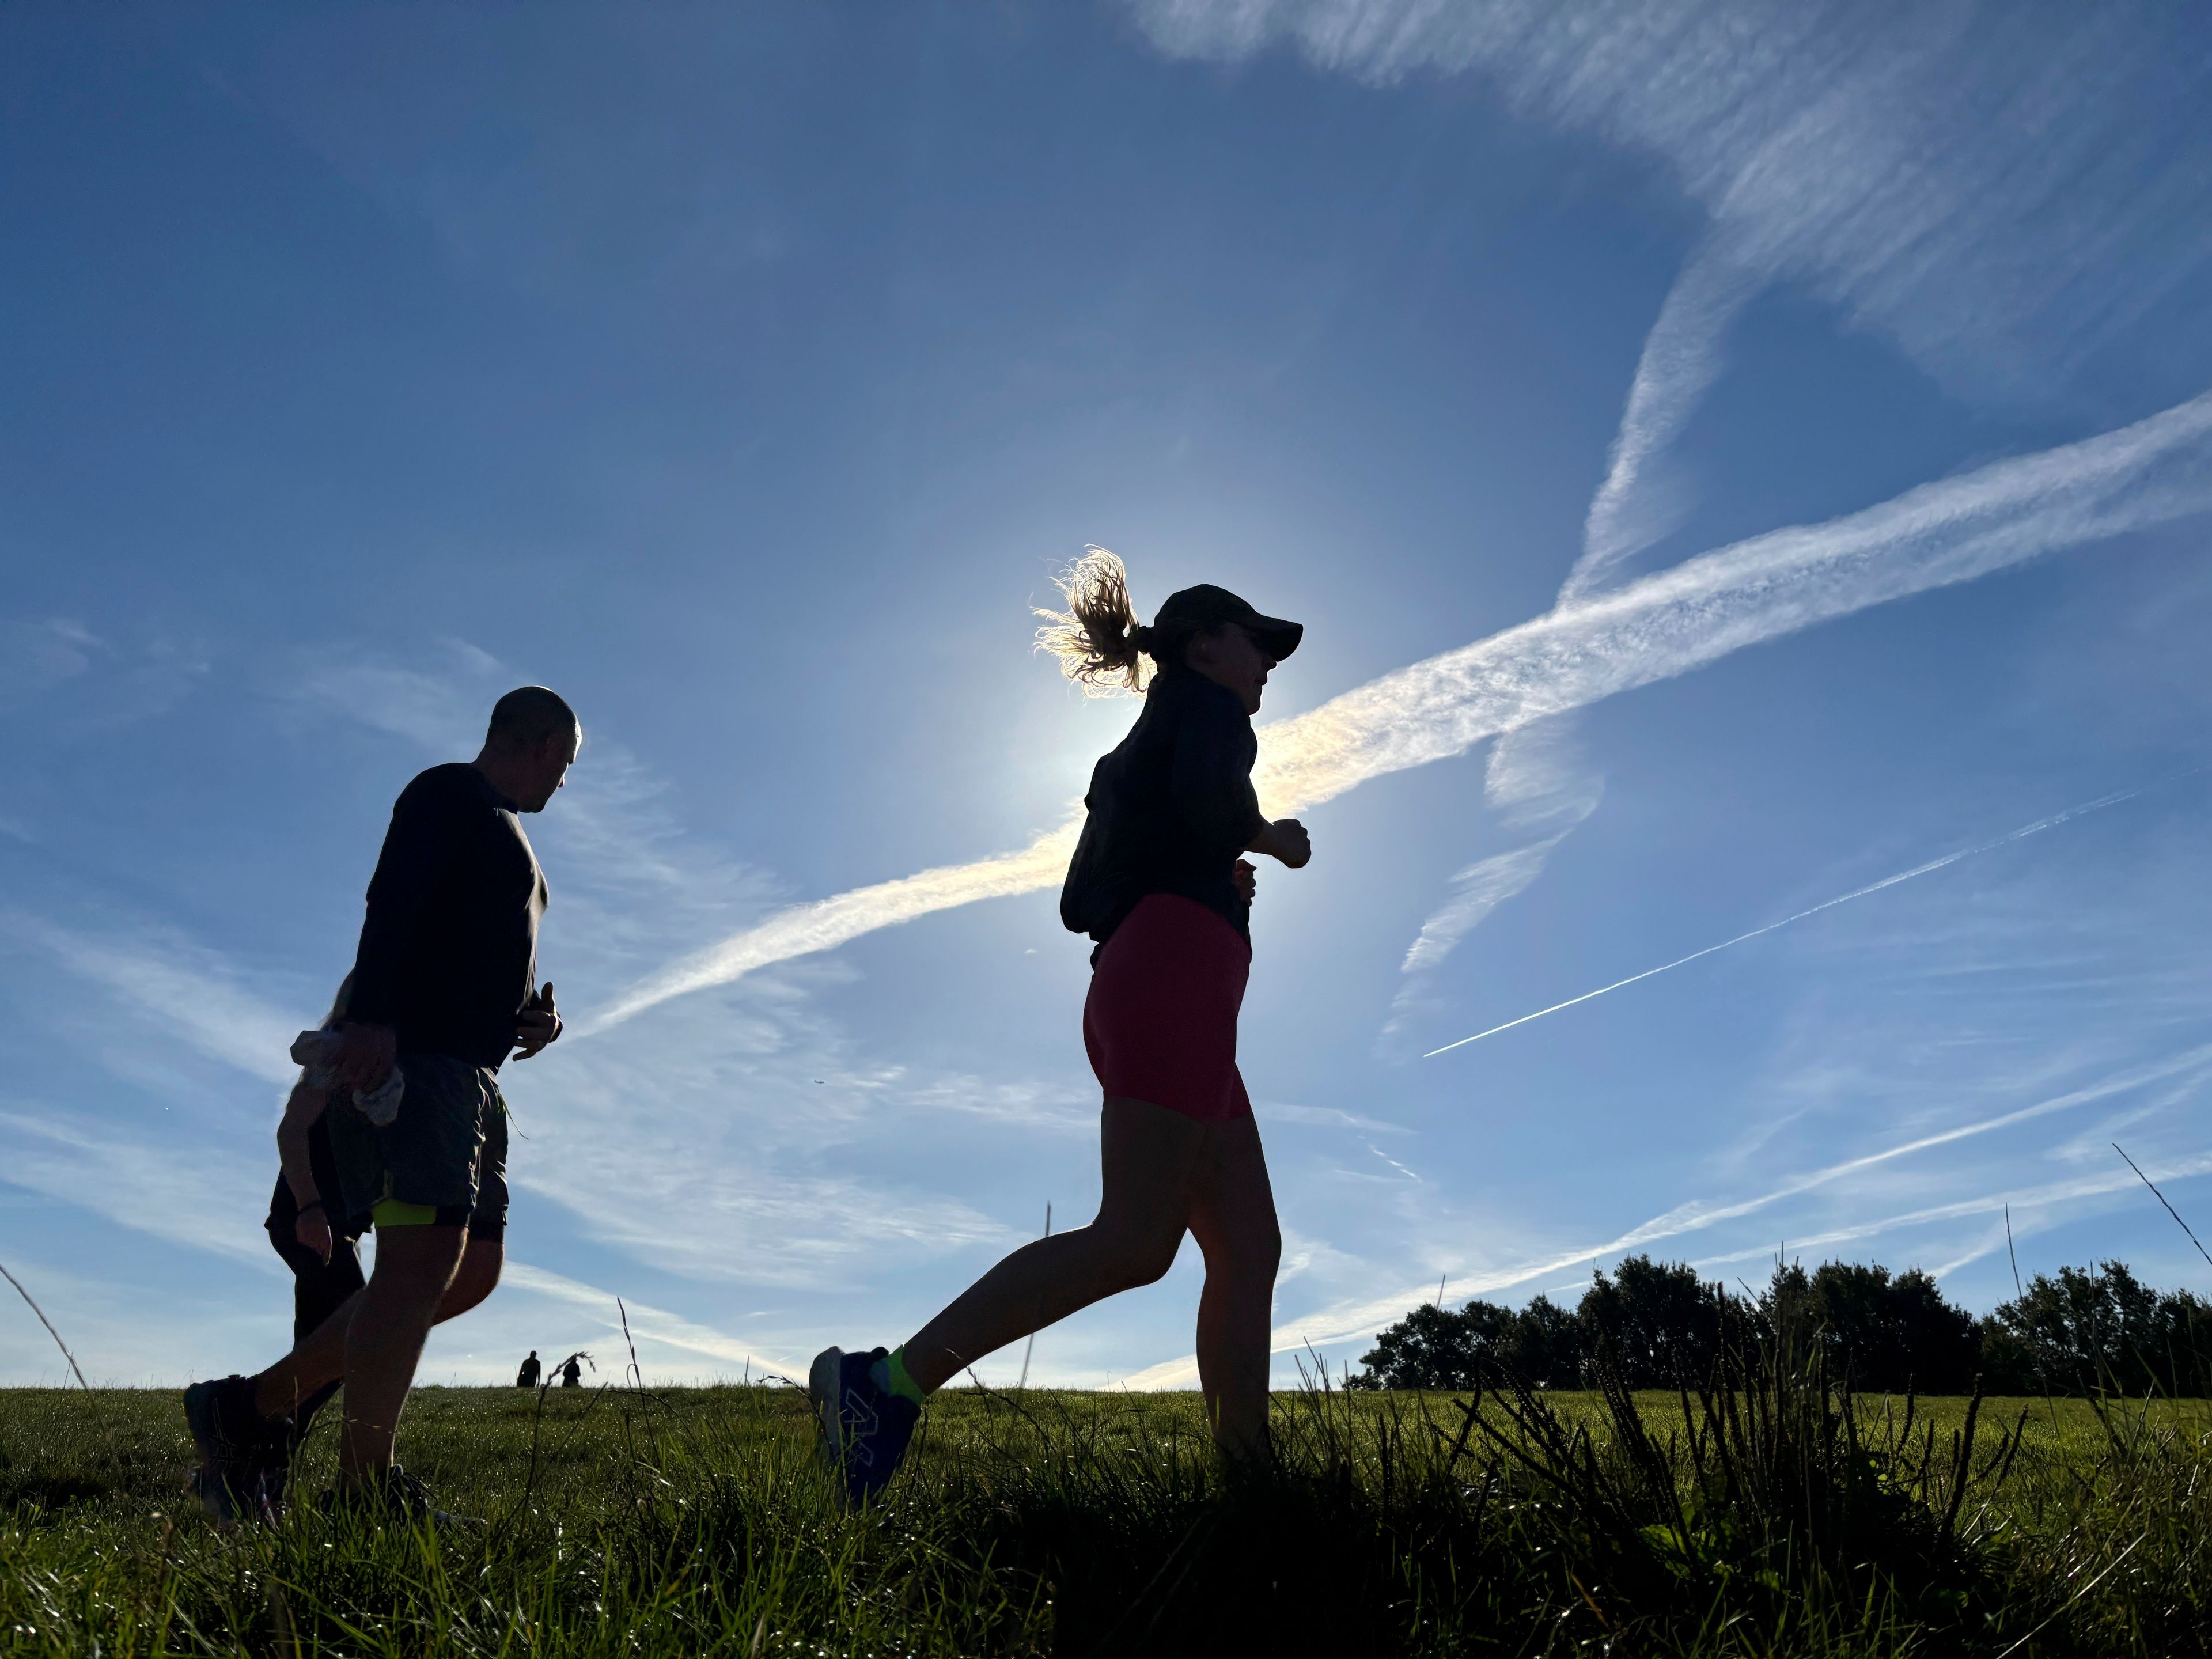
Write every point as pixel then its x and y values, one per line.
pixel 531 1371
pixel 572 1374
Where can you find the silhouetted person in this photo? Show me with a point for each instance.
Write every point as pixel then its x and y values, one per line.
pixel 572 1374
pixel 442 991
pixel 1158 880
pixel 309 1227
pixel 528 1376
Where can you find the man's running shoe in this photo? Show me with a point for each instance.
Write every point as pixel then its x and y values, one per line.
pixel 230 1435
pixel 215 1496
pixel 388 1495
pixel 269 1480
pixel 865 1426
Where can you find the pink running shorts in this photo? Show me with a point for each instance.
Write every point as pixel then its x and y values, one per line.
pixel 1160 1022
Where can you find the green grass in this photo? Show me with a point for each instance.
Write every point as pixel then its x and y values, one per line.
pixel 695 1520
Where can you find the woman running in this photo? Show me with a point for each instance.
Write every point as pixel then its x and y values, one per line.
pixel 1159 882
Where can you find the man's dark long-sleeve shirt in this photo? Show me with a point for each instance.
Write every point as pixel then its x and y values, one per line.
pixel 1170 809
pixel 449 948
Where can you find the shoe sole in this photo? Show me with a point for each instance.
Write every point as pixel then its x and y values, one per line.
pixel 199 1418
pixel 825 1383
pixel 206 1482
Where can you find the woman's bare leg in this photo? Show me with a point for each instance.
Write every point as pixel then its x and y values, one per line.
pixel 1147 1155
pixel 1232 1215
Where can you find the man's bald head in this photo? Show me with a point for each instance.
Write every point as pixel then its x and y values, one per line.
pixel 526 716
pixel 531 743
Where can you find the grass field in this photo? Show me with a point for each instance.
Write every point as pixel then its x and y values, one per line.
pixel 694 1521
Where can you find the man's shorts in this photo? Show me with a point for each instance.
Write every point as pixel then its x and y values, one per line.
pixel 442 1162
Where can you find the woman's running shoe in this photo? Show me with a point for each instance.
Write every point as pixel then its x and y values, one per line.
pixel 865 1426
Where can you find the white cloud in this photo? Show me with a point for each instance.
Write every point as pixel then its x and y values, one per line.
pixel 1662 625
pixel 1635 506
pixel 190 994
pixel 442 714
pixel 828 923
pixel 35 657
pixel 2004 239
pixel 2008 197
pixel 1476 891
pixel 191 1195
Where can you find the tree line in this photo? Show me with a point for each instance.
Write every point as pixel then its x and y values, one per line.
pixel 2082 1331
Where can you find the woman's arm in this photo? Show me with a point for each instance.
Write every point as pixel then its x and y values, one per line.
pixel 1210 780
pixel 302 1108
pixel 1210 775
pixel 1285 839
pixel 305 1104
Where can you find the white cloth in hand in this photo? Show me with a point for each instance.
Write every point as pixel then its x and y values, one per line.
pixel 311 1050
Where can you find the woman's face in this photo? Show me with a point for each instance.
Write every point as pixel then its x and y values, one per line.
pixel 1229 656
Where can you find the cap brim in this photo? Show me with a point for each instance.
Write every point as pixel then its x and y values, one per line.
pixel 1276 637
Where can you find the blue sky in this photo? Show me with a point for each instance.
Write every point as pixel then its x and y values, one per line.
pixel 1725 456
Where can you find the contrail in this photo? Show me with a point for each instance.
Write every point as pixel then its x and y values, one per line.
pixel 1953 531
pixel 1933 865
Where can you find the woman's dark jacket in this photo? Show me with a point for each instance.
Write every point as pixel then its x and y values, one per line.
pixel 1170 809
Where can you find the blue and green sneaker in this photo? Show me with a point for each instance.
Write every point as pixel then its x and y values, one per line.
pixel 865 1426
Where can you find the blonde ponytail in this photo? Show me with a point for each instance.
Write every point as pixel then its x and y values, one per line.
pixel 1098 639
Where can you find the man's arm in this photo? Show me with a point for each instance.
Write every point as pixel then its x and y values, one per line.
pixel 418 849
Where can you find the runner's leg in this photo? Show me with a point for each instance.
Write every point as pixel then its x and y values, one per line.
pixel 1232 1215
pixel 384 1339
pixel 311 1365
pixel 1146 1155
pixel 319 1360
pixel 477 1277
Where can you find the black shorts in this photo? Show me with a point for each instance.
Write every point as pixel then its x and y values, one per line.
pixel 444 1154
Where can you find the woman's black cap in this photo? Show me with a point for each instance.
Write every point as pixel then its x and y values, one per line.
pixel 1206 607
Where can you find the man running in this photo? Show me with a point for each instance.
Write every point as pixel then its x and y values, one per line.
pixel 443 989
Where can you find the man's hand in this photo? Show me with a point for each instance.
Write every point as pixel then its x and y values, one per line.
pixel 1247 879
pixel 538 1024
pixel 364 1055
pixel 313 1229
pixel 1285 839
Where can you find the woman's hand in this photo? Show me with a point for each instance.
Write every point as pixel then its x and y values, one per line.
pixel 1247 879
pixel 1285 839
pixel 314 1230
